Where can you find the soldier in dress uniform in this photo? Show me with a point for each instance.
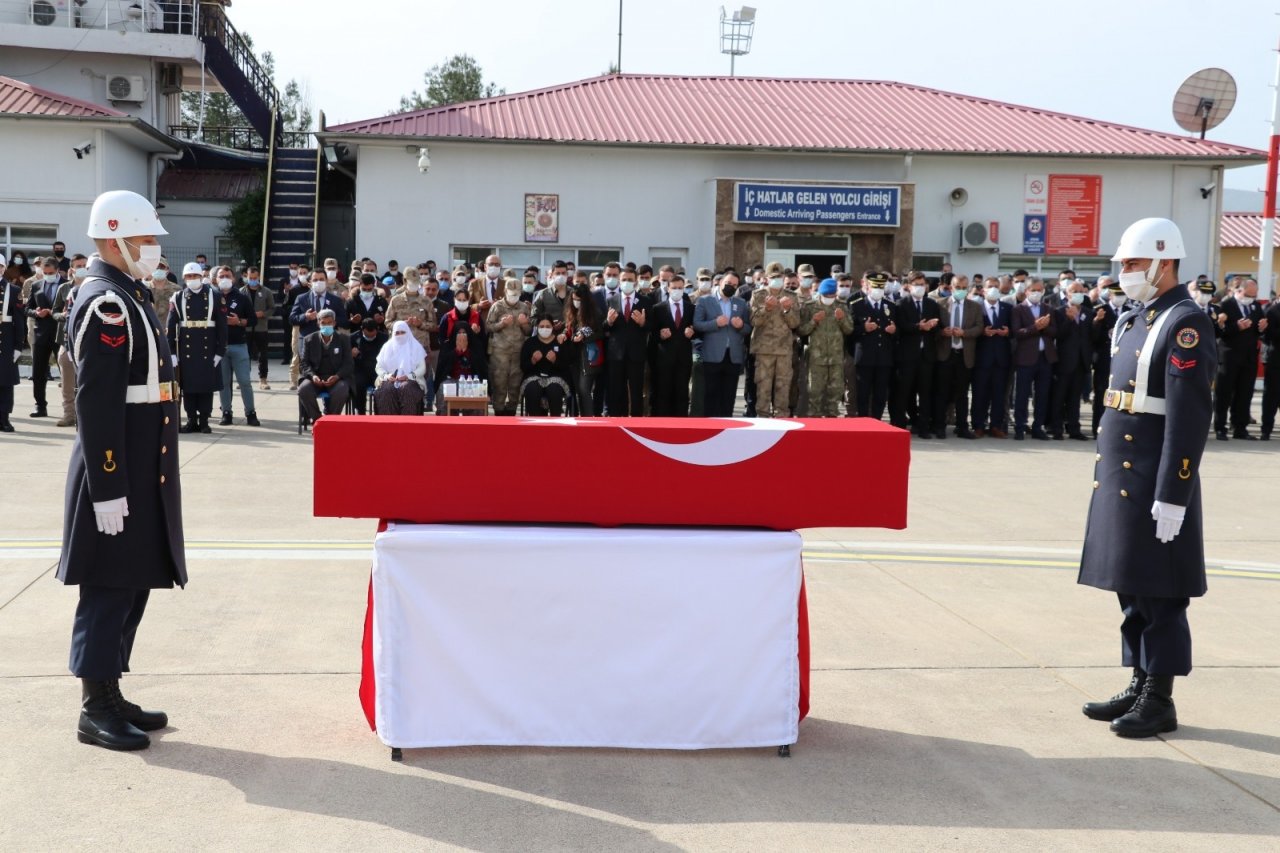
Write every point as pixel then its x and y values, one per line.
pixel 875 351
pixel 13 340
pixel 1145 538
pixel 122 532
pixel 198 339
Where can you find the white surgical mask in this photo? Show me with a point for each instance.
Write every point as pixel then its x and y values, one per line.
pixel 628 287
pixel 224 284
pixel 704 284
pixel 413 287
pixel 1203 299
pixel 545 333
pixel 559 280
pixel 527 287
pixel 877 293
pixel 1138 284
pixel 844 292
pixel 332 275
pixel 1118 300
pixel 1035 296
pixel 1077 299
pixel 917 290
pixel 577 303
pixel 293 275
pixel 807 281
pixel 775 284
pixel 827 300
pixel 319 287
pixel 992 295
pixel 194 284
pixel 644 284
pixel 1244 301
pixel 51 277
pixel 148 259
pixel 611 283
pixel 512 298
pixel 493 271
pixel 677 293
pixel 461 304
pixel 160 275
pixel 79 273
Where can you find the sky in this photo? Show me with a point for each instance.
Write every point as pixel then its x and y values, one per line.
pixel 1115 60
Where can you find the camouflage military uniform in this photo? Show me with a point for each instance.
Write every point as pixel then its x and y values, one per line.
pixel 772 333
pixel 161 293
pixel 826 334
pixel 504 355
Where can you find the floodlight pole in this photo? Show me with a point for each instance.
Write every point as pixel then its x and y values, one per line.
pixel 1265 250
pixel 619 65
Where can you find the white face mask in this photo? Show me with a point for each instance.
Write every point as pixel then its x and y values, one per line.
pixel 628 287
pixel 1140 284
pixel 775 284
pixel 224 284
pixel 676 294
pixel 1118 300
pixel 611 283
pixel 160 275
pixel 528 287
pixel 148 259
pixel 52 277
pixel 704 285
pixel 332 275
pixel 493 272
pixel 807 281
pixel 194 284
pixel 844 292
pixel 1244 301
pixel 545 333
pixel 559 280
pixel 319 287
pixel 413 287
pixel 827 300
pixel 917 290
pixel 293 275
pixel 877 293
pixel 80 273
pixel 1203 299
pixel 512 298
pixel 577 303
pixel 1077 299
pixel 1035 296
pixel 993 295
pixel 461 304
pixel 644 285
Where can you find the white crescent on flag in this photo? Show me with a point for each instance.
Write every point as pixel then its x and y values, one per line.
pixel 727 447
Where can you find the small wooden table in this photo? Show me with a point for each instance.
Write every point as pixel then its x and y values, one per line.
pixel 463 405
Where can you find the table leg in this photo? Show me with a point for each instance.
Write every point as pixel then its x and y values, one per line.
pixel 784 751
pixel 396 754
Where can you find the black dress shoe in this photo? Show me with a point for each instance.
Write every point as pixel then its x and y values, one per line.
pixel 1019 435
pixel 1039 435
pixel 1119 704
pixel 40 412
pixel 1242 435
pixel 204 426
pixel 1266 436
pixel 1153 713
pixel 251 418
pixel 192 425
pixel 942 433
pixel 226 419
pixel 964 433
pixel 147 721
pixel 1057 436
pixel 1222 435
pixel 102 721
pixel 1078 436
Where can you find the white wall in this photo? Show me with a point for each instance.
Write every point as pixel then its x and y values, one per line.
pixel 193 225
pixel 83 76
pixel 640 198
pixel 42 182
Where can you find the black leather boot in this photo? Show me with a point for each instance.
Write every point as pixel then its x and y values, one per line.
pixel 192 425
pixel 204 424
pixel 147 721
pixel 102 721
pixel 5 426
pixel 251 418
pixel 1153 713
pixel 1119 704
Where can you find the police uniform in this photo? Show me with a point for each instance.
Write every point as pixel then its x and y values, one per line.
pixel 874 351
pixel 1150 440
pixel 126 446
pixel 13 339
pixel 198 335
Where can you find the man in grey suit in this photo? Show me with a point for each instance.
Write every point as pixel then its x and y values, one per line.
pixel 724 322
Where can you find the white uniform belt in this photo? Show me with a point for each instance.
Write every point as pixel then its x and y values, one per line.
pixel 1127 401
pixel 138 393
pixel 195 324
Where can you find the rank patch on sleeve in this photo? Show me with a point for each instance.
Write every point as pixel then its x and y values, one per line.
pixel 1188 338
pixel 1182 363
pixel 112 341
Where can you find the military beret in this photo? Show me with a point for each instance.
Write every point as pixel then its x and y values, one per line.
pixel 828 287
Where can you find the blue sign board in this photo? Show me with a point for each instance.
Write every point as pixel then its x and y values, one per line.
pixel 810 204
pixel 1033 234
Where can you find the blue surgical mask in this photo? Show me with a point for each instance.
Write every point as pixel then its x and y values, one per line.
pixel 327 331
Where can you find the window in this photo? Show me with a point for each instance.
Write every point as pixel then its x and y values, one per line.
pixel 930 265
pixel 1051 265
pixel 806 243
pixel 31 239
pixel 658 258
pixel 520 257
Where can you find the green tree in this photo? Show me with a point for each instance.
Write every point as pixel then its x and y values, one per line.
pixel 453 81
pixel 221 111
pixel 244 224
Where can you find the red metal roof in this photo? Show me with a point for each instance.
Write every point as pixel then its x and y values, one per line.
pixel 1244 231
pixel 759 112
pixel 208 184
pixel 21 98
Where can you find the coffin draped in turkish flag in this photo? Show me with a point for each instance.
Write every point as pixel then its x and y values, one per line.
pixel 701 472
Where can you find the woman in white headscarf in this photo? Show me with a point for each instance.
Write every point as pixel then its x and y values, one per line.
pixel 402 374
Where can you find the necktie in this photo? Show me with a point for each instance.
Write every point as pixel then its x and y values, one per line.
pixel 627 311
pixel 676 305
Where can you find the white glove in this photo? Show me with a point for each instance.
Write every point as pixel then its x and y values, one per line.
pixel 16 356
pixel 1168 519
pixel 175 360
pixel 110 515
pixel 217 359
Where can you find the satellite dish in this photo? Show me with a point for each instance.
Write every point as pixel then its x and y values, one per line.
pixel 1204 101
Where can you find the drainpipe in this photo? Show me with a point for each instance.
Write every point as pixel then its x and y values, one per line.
pixel 153 171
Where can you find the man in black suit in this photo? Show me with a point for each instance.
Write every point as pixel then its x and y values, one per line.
pixel 1271 357
pixel 1034 354
pixel 671 326
pixel 917 320
pixel 366 303
pixel 627 322
pixel 1075 352
pixel 1104 321
pixel 875 337
pixel 1240 322
pixel 327 365
pixel 991 364
pixel 40 307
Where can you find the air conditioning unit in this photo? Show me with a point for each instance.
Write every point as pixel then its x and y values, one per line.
pixel 129 88
pixel 49 13
pixel 979 237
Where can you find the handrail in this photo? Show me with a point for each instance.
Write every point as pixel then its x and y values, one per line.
pixel 266 212
pixel 214 23
pixel 225 136
pixel 315 218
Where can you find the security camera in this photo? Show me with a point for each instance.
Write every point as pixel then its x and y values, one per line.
pixel 1208 188
pixel 82 149
pixel 424 160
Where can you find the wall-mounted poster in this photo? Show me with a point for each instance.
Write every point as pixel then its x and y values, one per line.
pixel 541 218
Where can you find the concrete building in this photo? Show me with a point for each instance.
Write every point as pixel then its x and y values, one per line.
pixel 718 171
pixel 1239 239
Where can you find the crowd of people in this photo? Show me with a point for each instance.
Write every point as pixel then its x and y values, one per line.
pixel 969 356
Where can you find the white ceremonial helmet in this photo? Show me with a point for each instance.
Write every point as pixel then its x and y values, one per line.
pixel 123 213
pixel 192 268
pixel 1154 237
